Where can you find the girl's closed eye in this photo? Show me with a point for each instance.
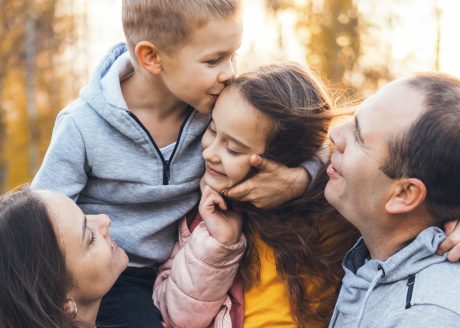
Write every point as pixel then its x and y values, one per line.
pixel 233 153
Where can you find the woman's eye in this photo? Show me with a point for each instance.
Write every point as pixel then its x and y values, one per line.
pixel 211 130
pixel 93 236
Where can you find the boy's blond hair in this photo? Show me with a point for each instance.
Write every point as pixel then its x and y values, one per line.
pixel 168 24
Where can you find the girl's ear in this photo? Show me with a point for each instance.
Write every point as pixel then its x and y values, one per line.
pixel 148 57
pixel 406 196
pixel 70 308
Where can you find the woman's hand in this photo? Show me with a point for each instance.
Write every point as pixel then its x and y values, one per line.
pixel 223 225
pixel 273 185
pixel 451 244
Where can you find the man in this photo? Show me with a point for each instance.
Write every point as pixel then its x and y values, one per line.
pixel 394 174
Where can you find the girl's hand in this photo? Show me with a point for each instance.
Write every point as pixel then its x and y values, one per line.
pixel 452 242
pixel 223 225
pixel 273 185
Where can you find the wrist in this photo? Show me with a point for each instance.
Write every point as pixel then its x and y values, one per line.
pixel 228 240
pixel 301 182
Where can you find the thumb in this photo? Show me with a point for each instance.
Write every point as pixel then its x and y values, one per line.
pixel 450 226
pixel 263 164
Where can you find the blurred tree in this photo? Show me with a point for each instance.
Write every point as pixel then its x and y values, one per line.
pixel 34 77
pixel 331 32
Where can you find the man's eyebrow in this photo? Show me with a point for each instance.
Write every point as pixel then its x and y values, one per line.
pixel 358 130
pixel 83 230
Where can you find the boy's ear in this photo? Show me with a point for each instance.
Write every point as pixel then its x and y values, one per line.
pixel 148 56
pixel 406 196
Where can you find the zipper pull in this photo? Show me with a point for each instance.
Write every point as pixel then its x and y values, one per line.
pixel 410 289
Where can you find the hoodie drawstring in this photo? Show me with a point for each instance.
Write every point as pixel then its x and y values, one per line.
pixel 380 274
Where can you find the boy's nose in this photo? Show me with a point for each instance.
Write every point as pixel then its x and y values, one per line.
pixel 228 74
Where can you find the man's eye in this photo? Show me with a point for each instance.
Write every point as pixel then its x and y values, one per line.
pixel 356 135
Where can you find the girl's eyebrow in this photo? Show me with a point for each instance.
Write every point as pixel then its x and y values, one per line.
pixel 242 144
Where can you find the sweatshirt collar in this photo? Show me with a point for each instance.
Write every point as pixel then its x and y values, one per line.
pixel 416 256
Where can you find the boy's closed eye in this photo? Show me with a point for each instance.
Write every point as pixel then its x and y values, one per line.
pixel 213 62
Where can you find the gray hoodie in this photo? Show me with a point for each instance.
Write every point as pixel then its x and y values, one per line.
pixel 101 156
pixel 413 288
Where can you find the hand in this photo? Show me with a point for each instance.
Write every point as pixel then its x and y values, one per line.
pixel 452 242
pixel 273 185
pixel 223 225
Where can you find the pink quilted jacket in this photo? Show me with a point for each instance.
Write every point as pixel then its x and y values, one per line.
pixel 195 287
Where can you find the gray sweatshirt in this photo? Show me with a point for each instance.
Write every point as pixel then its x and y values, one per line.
pixel 413 288
pixel 101 156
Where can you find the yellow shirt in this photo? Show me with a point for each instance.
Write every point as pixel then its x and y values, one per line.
pixel 266 304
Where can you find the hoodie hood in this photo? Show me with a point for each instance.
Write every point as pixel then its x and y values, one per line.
pixel 364 275
pixel 103 93
pixel 413 258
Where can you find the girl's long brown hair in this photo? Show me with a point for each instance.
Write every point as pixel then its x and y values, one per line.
pixel 308 237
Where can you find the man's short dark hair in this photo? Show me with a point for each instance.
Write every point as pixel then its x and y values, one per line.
pixel 430 149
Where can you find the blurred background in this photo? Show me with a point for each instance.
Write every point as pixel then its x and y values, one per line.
pixel 48 49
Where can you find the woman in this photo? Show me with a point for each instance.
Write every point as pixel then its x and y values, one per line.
pixel 55 262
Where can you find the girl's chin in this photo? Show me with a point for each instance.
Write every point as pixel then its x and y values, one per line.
pixel 216 185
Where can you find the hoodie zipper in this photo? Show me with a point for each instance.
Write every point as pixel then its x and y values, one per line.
pixel 410 289
pixel 166 163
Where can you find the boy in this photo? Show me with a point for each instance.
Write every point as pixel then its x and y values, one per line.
pixel 130 145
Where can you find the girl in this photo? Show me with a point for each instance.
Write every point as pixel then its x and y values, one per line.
pixel 291 268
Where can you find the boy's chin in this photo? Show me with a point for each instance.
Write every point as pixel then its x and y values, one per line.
pixel 205 109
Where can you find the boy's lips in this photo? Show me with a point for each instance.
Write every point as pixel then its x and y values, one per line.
pixel 213 172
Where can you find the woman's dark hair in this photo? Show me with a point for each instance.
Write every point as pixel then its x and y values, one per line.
pixel 308 236
pixel 33 275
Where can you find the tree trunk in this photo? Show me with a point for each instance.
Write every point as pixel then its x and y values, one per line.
pixel 3 166
pixel 31 56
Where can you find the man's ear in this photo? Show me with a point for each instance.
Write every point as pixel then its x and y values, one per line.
pixel 70 308
pixel 406 196
pixel 148 57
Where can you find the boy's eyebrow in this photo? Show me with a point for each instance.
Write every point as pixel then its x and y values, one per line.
pixel 220 53
pixel 242 144
pixel 358 130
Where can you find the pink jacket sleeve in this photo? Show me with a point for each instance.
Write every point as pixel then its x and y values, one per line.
pixel 192 285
